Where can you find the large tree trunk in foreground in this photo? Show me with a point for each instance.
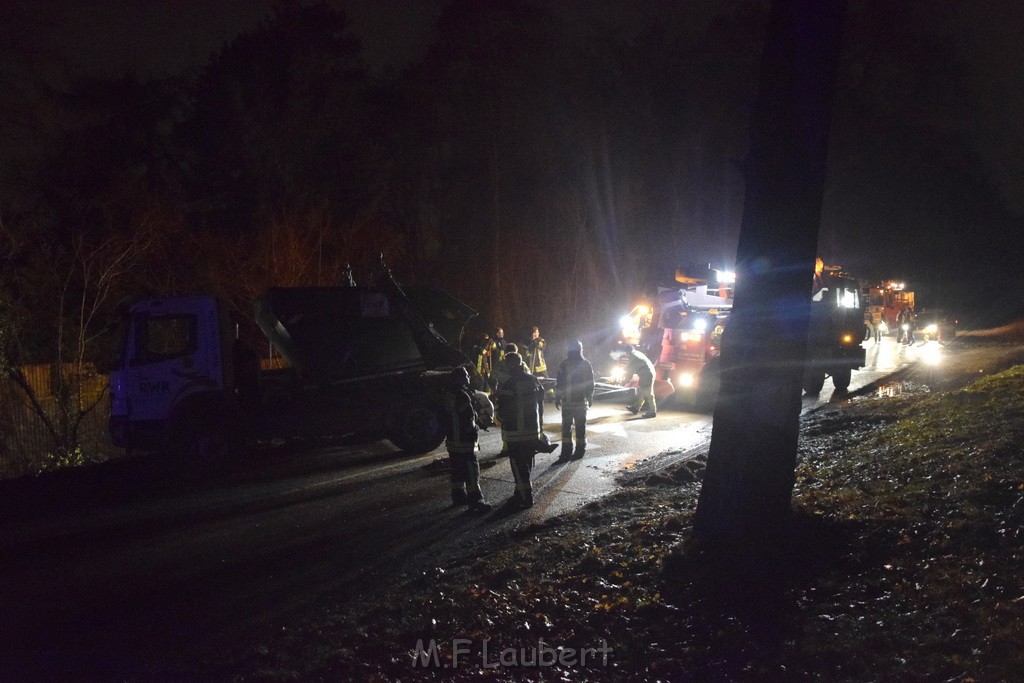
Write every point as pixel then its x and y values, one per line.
pixel 748 484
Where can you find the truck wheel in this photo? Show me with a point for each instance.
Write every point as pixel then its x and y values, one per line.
pixel 841 378
pixel 814 380
pixel 415 427
pixel 201 439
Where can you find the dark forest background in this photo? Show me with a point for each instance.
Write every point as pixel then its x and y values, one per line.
pixel 544 166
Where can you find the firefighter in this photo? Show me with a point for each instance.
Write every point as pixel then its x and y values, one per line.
pixel 574 393
pixel 482 357
pixel 533 354
pixel 462 425
pixel 520 400
pixel 640 365
pixel 499 347
pixel 500 373
pixel 905 323
pixel 873 320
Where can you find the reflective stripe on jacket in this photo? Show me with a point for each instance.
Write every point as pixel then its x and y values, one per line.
pixel 533 356
pixel 520 400
pixel 460 425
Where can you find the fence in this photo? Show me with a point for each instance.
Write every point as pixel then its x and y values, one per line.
pixel 27 445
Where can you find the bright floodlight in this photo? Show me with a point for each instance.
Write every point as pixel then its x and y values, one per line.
pixel 700 324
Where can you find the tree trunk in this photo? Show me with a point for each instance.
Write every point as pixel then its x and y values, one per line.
pixel 748 484
pixel 497 307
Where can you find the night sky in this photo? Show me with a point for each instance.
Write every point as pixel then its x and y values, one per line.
pixel 925 175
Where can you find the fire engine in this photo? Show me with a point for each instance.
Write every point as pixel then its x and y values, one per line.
pixel 886 300
pixel 680 330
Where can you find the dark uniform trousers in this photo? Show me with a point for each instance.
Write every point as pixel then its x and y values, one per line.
pixel 521 458
pixel 520 401
pixel 574 415
pixel 465 472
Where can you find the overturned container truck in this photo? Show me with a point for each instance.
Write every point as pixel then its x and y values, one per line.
pixel 360 360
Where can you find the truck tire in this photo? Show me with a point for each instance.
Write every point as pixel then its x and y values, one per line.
pixel 205 442
pixel 841 378
pixel 203 432
pixel 814 380
pixel 415 427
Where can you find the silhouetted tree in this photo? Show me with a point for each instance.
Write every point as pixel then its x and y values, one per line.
pixel 749 479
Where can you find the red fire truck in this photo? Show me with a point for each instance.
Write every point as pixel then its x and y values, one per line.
pixel 887 299
pixel 680 330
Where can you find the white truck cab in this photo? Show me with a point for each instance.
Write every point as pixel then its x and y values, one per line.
pixel 172 354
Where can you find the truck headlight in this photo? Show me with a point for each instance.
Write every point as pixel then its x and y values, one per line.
pixel 931 329
pixel 687 380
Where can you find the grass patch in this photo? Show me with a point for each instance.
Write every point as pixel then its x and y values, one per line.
pixel 902 563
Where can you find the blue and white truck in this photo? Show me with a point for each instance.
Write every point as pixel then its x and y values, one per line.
pixel 360 360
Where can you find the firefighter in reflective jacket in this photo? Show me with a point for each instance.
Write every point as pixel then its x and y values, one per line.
pixel 533 354
pixel 520 400
pixel 462 424
pixel 641 366
pixel 574 392
pixel 482 356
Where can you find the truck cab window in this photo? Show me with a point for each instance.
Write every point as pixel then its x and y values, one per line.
pixel 163 337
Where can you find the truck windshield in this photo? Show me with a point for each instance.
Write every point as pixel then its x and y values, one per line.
pixel 159 338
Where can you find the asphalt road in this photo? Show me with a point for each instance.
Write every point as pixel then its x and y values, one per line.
pixel 140 567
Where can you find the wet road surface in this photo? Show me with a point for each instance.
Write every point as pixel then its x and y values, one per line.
pixel 139 569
